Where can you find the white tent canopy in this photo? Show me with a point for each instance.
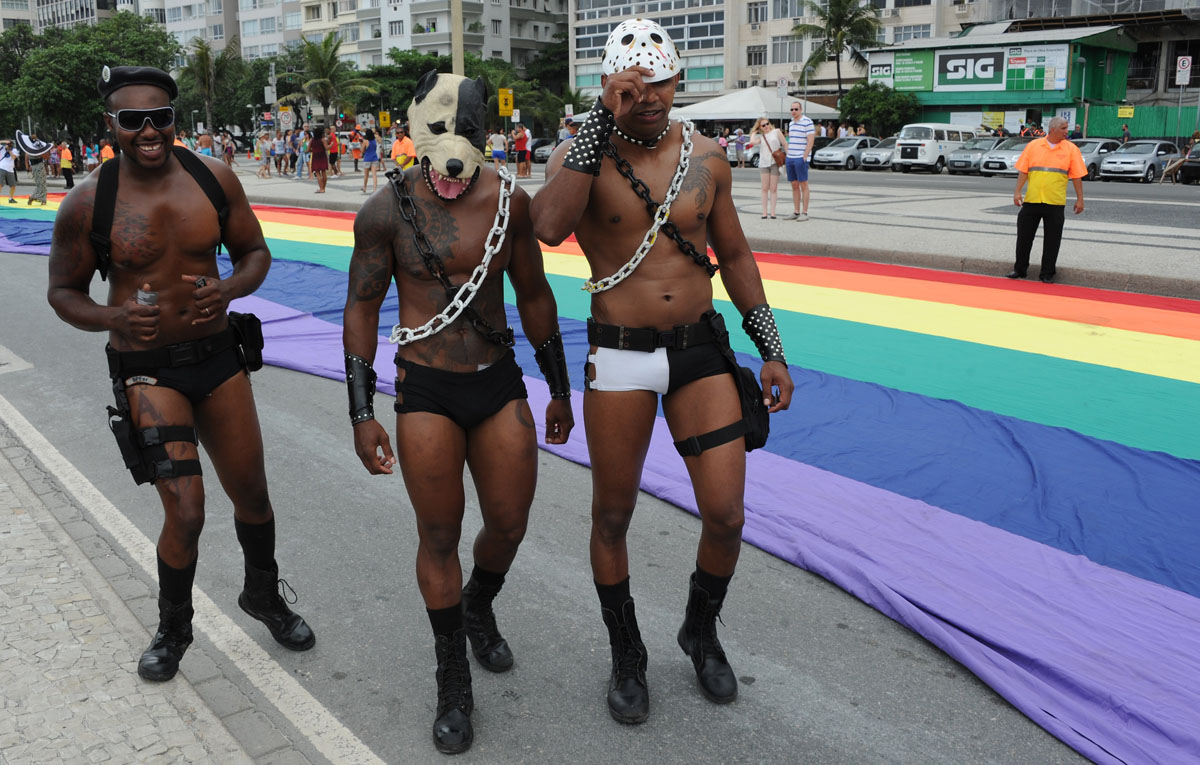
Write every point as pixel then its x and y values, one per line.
pixel 749 103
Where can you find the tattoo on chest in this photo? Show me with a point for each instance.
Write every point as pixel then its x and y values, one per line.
pixel 699 180
pixel 134 243
pixel 439 227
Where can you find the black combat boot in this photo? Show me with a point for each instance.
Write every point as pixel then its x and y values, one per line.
pixel 489 647
pixel 261 599
pixel 452 731
pixel 628 696
pixel 161 659
pixel 698 639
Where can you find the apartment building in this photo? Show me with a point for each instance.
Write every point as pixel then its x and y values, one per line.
pixel 14 12
pixel 63 13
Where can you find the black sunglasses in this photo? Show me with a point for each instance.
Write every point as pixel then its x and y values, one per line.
pixel 134 120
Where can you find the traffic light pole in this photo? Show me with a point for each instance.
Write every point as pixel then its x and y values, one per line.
pixel 456 38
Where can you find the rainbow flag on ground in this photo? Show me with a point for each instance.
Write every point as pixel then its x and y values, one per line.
pixel 1010 469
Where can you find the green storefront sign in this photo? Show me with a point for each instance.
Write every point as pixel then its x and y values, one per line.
pixel 913 70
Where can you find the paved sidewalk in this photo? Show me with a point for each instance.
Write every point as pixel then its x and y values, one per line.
pixel 69 647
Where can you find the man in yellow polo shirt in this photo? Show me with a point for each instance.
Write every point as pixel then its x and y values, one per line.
pixel 1047 163
pixel 403 153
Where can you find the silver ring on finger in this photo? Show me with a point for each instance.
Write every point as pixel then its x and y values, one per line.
pixel 205 311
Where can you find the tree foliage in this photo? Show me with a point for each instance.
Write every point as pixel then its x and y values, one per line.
pixel 881 109
pixel 843 25
pixel 207 70
pixel 328 80
pixel 50 77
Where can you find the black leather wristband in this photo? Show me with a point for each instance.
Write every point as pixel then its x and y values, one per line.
pixel 360 384
pixel 552 360
pixel 759 324
pixel 587 147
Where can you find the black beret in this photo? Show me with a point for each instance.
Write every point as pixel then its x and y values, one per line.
pixel 116 77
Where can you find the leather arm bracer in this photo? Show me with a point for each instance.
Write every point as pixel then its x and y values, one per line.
pixel 759 324
pixel 360 384
pixel 552 360
pixel 587 147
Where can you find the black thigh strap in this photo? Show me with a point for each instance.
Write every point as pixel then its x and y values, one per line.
pixel 692 447
pixel 155 453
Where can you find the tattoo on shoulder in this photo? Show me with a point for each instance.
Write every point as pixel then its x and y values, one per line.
pixel 371 262
pixel 70 243
pixel 699 180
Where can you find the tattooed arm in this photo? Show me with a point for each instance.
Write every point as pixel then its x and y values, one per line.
pixel 536 304
pixel 72 263
pixel 245 243
pixel 739 272
pixel 371 267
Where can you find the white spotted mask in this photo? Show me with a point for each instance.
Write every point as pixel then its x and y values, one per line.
pixel 445 122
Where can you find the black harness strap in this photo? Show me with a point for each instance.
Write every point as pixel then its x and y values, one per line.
pixel 692 447
pixel 106 202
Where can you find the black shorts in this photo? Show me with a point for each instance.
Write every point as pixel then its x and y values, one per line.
pixel 467 398
pixel 196 380
pixel 333 158
pixel 522 156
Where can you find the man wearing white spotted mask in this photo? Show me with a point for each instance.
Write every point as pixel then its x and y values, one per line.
pixel 447 230
pixel 629 175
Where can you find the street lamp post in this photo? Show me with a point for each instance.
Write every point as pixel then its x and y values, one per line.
pixel 252 109
pixel 807 71
pixel 1083 92
pixel 194 120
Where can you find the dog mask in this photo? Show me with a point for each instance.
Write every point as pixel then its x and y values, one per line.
pixel 445 121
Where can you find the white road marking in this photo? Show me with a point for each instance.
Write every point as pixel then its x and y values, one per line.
pixel 11 362
pixel 316 723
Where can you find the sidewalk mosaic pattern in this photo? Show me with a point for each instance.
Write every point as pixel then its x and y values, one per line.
pixel 1008 469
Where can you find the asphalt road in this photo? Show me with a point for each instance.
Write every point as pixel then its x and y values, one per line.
pixel 824 679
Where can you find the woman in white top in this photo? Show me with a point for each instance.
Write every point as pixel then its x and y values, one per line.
pixel 769 139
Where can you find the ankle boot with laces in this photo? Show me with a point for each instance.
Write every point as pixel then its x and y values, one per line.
pixel 261 599
pixel 479 621
pixel 452 732
pixel 698 639
pixel 161 660
pixel 628 694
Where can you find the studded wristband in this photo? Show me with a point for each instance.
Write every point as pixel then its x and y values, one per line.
pixel 552 360
pixel 759 324
pixel 587 147
pixel 360 384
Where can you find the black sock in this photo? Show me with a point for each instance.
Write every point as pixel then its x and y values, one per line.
pixel 175 584
pixel 613 596
pixel 487 578
pixel 445 621
pixel 715 586
pixel 258 543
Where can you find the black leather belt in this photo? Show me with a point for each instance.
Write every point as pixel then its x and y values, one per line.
pixel 178 355
pixel 648 339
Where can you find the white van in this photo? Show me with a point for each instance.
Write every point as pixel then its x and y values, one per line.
pixel 926 145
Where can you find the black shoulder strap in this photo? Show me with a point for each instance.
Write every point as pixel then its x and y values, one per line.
pixel 208 182
pixel 102 215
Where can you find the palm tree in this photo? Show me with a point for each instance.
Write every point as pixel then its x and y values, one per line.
pixel 208 71
pixel 331 80
pixel 843 24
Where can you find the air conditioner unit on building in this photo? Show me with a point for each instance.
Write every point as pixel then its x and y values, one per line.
pixel 889 13
pixel 797 67
pixel 754 71
pixel 962 9
pixel 755 27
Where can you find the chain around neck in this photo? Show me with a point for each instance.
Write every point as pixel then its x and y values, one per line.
pixel 649 143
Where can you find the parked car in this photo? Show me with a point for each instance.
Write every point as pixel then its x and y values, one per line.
pixel 925 145
pixel 843 152
pixel 967 157
pixel 879 156
pixel 1189 172
pixel 1002 160
pixel 541 143
pixel 1094 150
pixel 1138 160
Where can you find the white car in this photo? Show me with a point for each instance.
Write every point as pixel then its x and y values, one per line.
pixel 1002 160
pixel 967 157
pixel 1138 160
pixel 879 156
pixel 844 152
pixel 1093 151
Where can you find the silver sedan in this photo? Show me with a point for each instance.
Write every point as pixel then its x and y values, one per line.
pixel 966 158
pixel 1094 150
pixel 844 152
pixel 1002 160
pixel 1138 160
pixel 879 156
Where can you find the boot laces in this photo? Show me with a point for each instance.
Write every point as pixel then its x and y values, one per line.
pixel 709 616
pixel 484 619
pixel 284 590
pixel 455 681
pixel 629 655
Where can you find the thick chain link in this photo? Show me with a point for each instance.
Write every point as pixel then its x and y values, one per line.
pixel 660 213
pixel 460 298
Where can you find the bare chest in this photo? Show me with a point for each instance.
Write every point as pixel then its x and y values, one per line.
pixel 448 239
pixel 620 211
pixel 147 230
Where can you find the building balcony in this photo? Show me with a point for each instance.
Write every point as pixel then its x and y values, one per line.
pixel 526 43
pixel 370 44
pixel 434 6
pixel 368 13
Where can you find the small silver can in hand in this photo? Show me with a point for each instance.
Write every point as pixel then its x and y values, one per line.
pixel 145 297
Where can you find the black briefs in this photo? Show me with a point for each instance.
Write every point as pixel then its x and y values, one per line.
pixel 467 398
pixel 195 368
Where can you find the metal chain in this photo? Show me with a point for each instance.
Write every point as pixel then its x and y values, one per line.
pixel 460 298
pixel 658 212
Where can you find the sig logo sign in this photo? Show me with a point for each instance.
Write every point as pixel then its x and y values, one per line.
pixel 970 70
pixel 881 72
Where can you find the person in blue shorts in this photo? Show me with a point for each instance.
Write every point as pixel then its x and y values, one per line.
pixel 799 152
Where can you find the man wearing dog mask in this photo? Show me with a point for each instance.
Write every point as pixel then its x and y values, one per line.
pixel 628 175
pixel 447 230
pixel 152 222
